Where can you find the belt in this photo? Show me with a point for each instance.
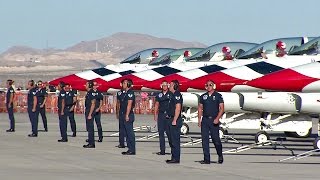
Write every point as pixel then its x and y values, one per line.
pixel 208 117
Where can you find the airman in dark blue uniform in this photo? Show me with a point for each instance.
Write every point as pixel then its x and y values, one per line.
pixel 90 104
pixel 127 103
pixel 32 108
pixel 97 110
pixel 71 101
pixel 122 131
pixel 160 113
pixel 9 104
pixel 175 122
pixel 210 110
pixel 42 99
pixel 62 112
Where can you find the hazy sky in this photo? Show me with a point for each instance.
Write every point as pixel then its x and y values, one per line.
pixel 63 23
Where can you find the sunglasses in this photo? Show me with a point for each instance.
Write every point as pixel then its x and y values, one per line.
pixel 208 85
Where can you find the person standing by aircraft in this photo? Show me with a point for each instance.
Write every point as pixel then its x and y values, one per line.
pixel 62 112
pixel 126 115
pixel 71 101
pixel 122 131
pixel 97 111
pixel 42 99
pixel 90 104
pixel 160 113
pixel 281 49
pixel 174 122
pixel 210 110
pixel 226 50
pixel 32 108
pixel 9 104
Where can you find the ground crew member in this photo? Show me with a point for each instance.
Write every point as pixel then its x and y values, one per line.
pixel 122 131
pixel 42 99
pixel 9 104
pixel 90 104
pixel 175 122
pixel 62 112
pixel 71 101
pixel 160 113
pixel 210 110
pixel 126 115
pixel 32 108
pixel 97 111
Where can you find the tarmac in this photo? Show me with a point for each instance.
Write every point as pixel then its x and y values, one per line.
pixel 23 157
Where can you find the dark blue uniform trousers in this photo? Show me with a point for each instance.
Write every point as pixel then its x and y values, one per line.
pixel 130 136
pixel 63 124
pixel 70 115
pixel 34 118
pixel 97 118
pixel 11 116
pixel 44 117
pixel 208 128
pixel 90 128
pixel 122 133
pixel 174 140
pixel 162 127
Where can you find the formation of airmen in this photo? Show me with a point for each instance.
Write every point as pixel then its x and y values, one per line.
pixel 168 106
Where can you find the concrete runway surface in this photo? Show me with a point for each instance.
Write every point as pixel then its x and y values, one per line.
pixel 22 157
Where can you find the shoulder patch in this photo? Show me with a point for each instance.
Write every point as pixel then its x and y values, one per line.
pixel 62 95
pixel 160 95
pixel 214 97
pixel 205 97
pixel 119 93
pixel 130 95
pixel 177 97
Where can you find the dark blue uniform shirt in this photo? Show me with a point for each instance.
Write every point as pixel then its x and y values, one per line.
pixel 91 95
pixel 99 98
pixel 32 92
pixel 62 95
pixel 129 95
pixel 69 98
pixel 175 99
pixel 163 100
pixel 9 92
pixel 211 104
pixel 42 93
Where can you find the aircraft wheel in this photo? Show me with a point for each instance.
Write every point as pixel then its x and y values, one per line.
pixel 316 143
pixel 261 136
pixel 222 132
pixel 184 129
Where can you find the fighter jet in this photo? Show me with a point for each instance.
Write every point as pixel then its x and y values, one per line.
pixel 210 55
pixel 228 74
pixel 137 62
pixel 304 78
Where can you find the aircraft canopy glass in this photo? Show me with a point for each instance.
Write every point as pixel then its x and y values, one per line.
pixel 237 48
pixel 310 48
pixel 174 55
pixel 291 43
pixel 145 56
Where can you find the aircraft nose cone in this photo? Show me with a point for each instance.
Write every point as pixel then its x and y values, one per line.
pixel 285 80
pixel 73 80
